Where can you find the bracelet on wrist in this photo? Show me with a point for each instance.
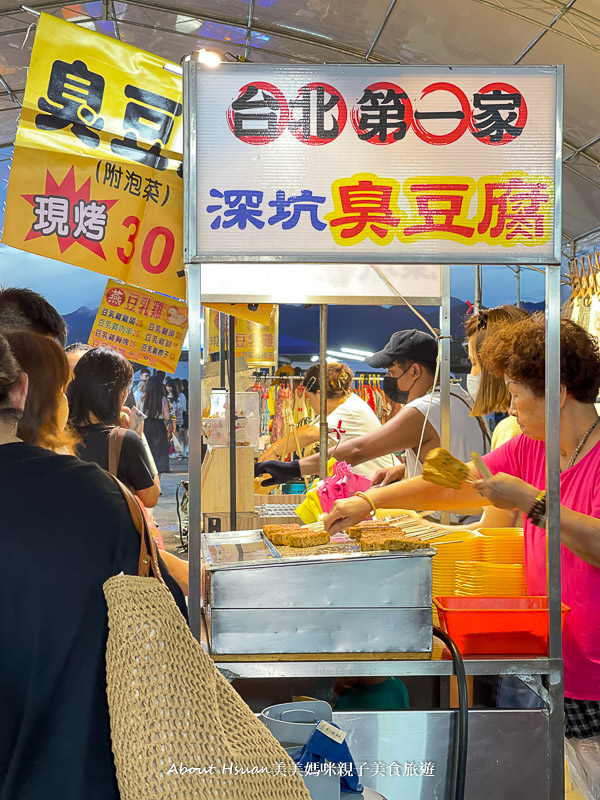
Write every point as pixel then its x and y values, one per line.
pixel 373 510
pixel 537 513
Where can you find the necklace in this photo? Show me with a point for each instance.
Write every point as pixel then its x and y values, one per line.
pixel 579 447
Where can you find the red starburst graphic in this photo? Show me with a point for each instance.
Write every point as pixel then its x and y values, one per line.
pixel 68 190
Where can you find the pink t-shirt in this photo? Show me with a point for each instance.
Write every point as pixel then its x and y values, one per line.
pixel 580 491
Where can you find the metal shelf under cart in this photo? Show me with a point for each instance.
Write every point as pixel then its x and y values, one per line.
pixel 331 666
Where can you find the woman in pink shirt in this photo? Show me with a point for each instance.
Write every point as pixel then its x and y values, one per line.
pixel 517 351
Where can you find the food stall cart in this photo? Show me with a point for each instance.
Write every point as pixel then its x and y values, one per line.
pixel 512 753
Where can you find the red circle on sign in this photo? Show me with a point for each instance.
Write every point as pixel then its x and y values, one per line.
pixel 314 139
pixel 115 297
pixel 521 117
pixel 408 112
pixel 284 113
pixel 452 136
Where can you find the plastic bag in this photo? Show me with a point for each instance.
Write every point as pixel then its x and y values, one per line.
pixel 342 484
pixel 583 758
pixel 309 509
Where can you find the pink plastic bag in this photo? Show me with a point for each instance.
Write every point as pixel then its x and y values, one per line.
pixel 343 483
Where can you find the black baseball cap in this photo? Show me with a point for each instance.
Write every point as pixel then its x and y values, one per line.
pixel 412 345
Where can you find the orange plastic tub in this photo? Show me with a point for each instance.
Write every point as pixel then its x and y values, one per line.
pixel 497 625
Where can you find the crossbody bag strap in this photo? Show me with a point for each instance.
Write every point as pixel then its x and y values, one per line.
pixel 148 560
pixel 115 445
pixel 482 426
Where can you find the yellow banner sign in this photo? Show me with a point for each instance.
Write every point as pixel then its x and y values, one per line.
pixel 256 343
pixel 145 327
pixel 96 172
pixel 254 312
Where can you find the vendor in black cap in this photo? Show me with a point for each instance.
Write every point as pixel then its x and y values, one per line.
pixel 410 358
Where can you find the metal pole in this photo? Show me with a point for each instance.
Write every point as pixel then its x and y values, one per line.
pixel 445 368
pixel 553 528
pixel 543 32
pixel 477 303
pixel 518 287
pixel 232 438
pixel 222 347
pixel 249 30
pixel 380 29
pixel 195 446
pixel 323 438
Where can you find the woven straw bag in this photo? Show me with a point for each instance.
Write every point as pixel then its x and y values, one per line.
pixel 178 729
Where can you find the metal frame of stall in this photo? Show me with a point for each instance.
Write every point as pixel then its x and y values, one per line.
pixel 551 667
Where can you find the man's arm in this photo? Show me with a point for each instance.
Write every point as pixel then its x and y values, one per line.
pixel 400 433
pixel 414 493
pixel 306 434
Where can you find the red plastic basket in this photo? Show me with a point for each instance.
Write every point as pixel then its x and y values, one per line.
pixel 497 625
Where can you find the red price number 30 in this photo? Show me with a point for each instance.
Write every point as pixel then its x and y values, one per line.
pixel 155 239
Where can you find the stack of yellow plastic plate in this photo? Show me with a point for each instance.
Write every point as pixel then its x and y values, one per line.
pixel 453 547
pixel 479 578
pixel 503 545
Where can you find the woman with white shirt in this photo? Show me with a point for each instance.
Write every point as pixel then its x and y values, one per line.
pixel 348 416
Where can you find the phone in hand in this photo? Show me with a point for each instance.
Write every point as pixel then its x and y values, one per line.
pixel 136 419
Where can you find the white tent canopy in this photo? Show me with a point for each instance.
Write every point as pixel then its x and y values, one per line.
pixel 457 32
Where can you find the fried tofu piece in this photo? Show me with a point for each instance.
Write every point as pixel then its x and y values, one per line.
pixel 440 467
pixel 395 541
pixel 356 531
pixel 387 540
pixel 293 527
pixel 309 538
pixel 279 538
pixel 280 534
pixel 371 541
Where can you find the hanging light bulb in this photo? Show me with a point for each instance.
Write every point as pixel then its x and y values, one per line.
pixel 208 57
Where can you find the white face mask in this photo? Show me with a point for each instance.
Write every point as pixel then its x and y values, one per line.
pixel 473 384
